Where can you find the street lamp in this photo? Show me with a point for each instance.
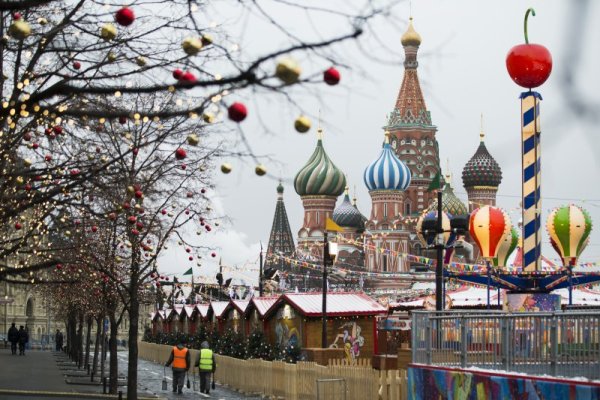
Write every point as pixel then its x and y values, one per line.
pixel 330 252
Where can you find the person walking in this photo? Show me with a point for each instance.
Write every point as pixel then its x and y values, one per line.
pixel 206 365
pixel 23 340
pixel 58 339
pixel 180 358
pixel 13 338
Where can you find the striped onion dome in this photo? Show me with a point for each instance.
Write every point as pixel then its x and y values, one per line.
pixel 347 215
pixel 450 203
pixel 319 176
pixel 388 172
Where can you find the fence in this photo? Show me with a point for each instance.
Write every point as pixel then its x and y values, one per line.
pixel 297 381
pixel 557 344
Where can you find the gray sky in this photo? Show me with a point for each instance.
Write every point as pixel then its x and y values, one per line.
pixel 463 74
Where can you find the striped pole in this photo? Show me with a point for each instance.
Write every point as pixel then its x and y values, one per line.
pixel 531 169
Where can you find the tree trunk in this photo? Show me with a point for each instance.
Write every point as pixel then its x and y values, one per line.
pixel 97 344
pixel 88 335
pixel 114 361
pixel 80 341
pixel 134 313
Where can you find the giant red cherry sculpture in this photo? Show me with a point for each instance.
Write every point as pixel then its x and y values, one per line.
pixel 529 65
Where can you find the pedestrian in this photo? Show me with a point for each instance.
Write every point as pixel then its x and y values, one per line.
pixel 206 365
pixel 13 338
pixel 23 340
pixel 58 339
pixel 180 358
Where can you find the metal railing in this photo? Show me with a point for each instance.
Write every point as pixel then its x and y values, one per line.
pixel 558 344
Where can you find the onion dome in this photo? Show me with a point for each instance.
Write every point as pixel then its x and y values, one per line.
pixel 347 215
pixel 280 188
pixel 482 169
pixel 410 37
pixel 450 203
pixel 388 172
pixel 319 177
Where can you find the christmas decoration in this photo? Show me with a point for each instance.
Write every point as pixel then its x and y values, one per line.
pixel 140 61
pixel 125 16
pixel 193 139
pixel 237 112
pixel 191 46
pixel 488 226
pixel 108 32
pixel 19 29
pixel 180 154
pixel 226 168
pixel 529 65
pixel 331 76
pixel 302 124
pixel 260 170
pixel 288 71
pixel 177 74
pixel 76 65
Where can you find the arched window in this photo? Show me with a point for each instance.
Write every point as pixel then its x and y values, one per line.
pixel 385 210
pixel 29 308
pixel 407 209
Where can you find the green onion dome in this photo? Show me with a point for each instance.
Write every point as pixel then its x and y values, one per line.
pixel 450 203
pixel 347 215
pixel 319 177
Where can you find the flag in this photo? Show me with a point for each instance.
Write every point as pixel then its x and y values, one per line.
pixel 188 272
pixel 435 183
pixel 332 226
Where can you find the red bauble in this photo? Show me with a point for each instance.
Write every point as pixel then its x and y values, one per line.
pixel 122 120
pixel 180 154
pixel 237 112
pixel 135 232
pixel 187 78
pixel 331 76
pixel 139 194
pixel 27 136
pixel 188 250
pixel 76 65
pixel 112 216
pixel 94 228
pixel 202 190
pixel 177 74
pixel 125 16
pixel 213 254
pixel 75 172
pixel 17 16
pixel 529 65
pixel 18 226
pixel 48 157
pixel 191 258
pixel 190 194
pixel 132 219
pixel 163 212
pixel 57 129
pixel 35 146
pixel 27 187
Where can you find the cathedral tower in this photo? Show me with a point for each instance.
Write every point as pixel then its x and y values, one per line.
pixel 281 241
pixel 319 183
pixel 481 177
pixel 412 132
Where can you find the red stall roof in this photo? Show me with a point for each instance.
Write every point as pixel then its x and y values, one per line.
pixel 240 305
pixel 338 304
pixel 202 309
pixel 264 304
pixel 218 307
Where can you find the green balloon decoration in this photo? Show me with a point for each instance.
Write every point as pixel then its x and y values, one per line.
pixel 506 247
pixel 569 228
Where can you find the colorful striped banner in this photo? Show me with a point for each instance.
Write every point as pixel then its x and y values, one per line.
pixel 531 168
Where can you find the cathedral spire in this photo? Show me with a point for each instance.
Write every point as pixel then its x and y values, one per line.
pixel 280 240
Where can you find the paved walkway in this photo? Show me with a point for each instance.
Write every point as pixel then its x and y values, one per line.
pixel 150 377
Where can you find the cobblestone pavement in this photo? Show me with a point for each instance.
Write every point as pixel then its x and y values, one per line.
pixel 150 377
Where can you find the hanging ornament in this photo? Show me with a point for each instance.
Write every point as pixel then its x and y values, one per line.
pixel 488 227
pixel 19 29
pixel 177 73
pixel 569 228
pixel 237 112
pixel 76 65
pixel 206 40
pixel 140 61
pixel 302 124
pixel 187 78
pixel 112 57
pixel 507 246
pixel 180 154
pixel 108 32
pixel 331 76
pixel 193 139
pixel 288 71
pixel 191 46
pixel 226 168
pixel 125 16
pixel 260 170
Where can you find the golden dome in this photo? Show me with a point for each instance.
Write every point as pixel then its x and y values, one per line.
pixel 410 37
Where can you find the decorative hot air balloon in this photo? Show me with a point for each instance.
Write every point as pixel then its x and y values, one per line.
pixel 488 226
pixel 428 222
pixel 507 246
pixel 569 228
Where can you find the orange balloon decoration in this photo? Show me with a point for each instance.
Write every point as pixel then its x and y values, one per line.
pixel 488 227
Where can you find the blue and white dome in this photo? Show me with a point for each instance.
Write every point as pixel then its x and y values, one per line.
pixel 388 172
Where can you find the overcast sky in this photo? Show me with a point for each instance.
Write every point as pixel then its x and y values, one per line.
pixel 463 74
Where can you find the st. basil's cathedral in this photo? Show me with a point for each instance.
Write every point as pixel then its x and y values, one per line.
pixel 397 180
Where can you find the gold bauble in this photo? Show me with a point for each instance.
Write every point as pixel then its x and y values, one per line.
pixel 19 29
pixel 302 124
pixel 226 168
pixel 260 170
pixel 108 32
pixel 112 57
pixel 191 46
pixel 193 139
pixel 288 71
pixel 141 61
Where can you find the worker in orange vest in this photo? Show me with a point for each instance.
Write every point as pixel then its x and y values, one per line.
pixel 180 358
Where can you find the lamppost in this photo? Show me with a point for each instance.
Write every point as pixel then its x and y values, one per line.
pixel 330 251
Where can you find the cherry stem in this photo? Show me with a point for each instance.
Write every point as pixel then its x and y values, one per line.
pixel 532 11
